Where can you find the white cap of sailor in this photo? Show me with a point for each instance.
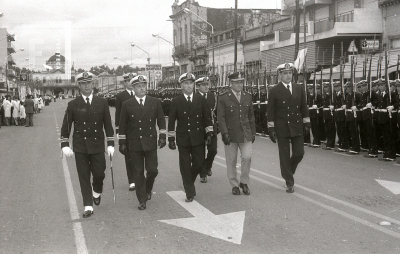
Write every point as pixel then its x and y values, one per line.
pixel 202 81
pixel 186 76
pixel 129 76
pixel 84 77
pixel 285 67
pixel 139 79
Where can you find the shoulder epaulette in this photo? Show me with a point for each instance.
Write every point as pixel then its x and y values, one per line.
pixel 222 93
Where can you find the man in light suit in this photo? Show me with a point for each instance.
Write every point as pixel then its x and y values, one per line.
pixel 125 95
pixel 287 114
pixel 91 116
pixel 236 122
pixel 138 137
pixel 193 125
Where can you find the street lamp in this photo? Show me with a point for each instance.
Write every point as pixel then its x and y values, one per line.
pixel 157 36
pixel 120 60
pixel 187 10
pixel 148 56
pixel 12 35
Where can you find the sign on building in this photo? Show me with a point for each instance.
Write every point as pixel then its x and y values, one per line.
pixel 352 48
pixel 150 67
pixel 369 44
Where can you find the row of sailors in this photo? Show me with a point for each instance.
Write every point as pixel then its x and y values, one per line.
pixel 363 120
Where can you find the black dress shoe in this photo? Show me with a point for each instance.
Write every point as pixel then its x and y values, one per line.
pixel 189 199
pixel 87 213
pixel 142 206
pixel 209 172
pixel 149 196
pixel 327 148
pixel 235 191
pixel 289 189
pixel 96 201
pixel 245 188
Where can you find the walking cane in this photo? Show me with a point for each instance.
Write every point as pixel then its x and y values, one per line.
pixel 112 177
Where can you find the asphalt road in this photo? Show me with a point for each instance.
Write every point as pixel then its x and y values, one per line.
pixel 336 207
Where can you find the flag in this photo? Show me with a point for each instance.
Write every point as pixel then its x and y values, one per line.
pixel 301 56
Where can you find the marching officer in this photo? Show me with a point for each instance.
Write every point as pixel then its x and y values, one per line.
pixel 328 109
pixel 238 129
pixel 193 126
pixel 89 114
pixel 364 99
pixel 138 137
pixel 125 95
pixel 352 98
pixel 202 85
pixel 287 117
pixel 314 101
pixel 340 117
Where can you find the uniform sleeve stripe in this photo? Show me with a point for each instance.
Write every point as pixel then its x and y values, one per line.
pixel 271 124
pixel 306 120
pixel 209 128
pixel 163 131
pixel 171 134
pixel 110 138
pixel 64 139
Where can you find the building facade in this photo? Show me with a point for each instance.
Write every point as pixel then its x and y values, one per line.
pixel 7 74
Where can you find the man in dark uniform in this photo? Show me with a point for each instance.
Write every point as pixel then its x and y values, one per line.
pixel 340 117
pixel 370 119
pixel 202 85
pixel 364 99
pixel 125 95
pixel 314 101
pixel 138 137
pixel 194 125
pixel 328 109
pixel 238 129
pixel 352 99
pixel 89 114
pixel 287 117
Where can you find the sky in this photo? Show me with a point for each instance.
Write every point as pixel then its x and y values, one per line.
pixel 98 31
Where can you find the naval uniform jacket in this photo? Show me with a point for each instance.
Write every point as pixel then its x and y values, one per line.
pixel 119 99
pixel 193 120
pixel 287 113
pixel 212 104
pixel 340 113
pixel 236 118
pixel 137 125
pixel 89 121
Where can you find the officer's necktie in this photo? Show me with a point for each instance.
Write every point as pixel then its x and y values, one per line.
pixel 189 100
pixel 141 102
pixel 131 94
pixel 288 88
pixel 205 96
pixel 87 101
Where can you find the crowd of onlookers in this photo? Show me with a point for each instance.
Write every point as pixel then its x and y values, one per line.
pixel 14 111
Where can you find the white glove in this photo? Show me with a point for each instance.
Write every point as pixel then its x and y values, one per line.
pixel 314 106
pixel 390 108
pixel 369 105
pixel 354 108
pixel 68 151
pixel 331 107
pixel 110 150
pixel 344 106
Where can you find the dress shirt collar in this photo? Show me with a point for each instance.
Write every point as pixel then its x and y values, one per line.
pixel 138 99
pixel 90 98
pixel 191 96
pixel 131 92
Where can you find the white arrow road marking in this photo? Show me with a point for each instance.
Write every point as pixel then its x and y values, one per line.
pixel 228 227
pixel 394 187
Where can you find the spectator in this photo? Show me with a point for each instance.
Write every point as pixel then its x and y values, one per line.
pixel 29 110
pixel 15 114
pixel 36 104
pixel 40 103
pixel 7 109
pixel 22 115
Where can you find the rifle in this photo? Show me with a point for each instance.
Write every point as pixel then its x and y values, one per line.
pixel 388 86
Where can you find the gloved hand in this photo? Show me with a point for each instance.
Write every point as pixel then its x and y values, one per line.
pixel 272 136
pixel 110 150
pixel 354 108
pixel 314 106
pixel 68 151
pixel 122 149
pixel 226 139
pixel 331 107
pixel 209 140
pixel 171 145
pixel 162 142
pixel 390 108
pixel 369 105
pixel 253 138
pixel 344 106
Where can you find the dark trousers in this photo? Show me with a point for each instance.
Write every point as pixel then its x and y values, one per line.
pixel 342 133
pixel 289 163
pixel 129 168
pixel 87 164
pixel 211 153
pixel 29 119
pixel 370 127
pixel 389 140
pixel 321 127
pixel 315 131
pixel 363 134
pixel 307 137
pixel 354 139
pixel 142 160
pixel 379 136
pixel 191 159
pixel 330 130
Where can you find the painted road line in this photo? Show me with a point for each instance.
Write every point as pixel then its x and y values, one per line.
pixel 394 187
pixel 330 208
pixel 228 227
pixel 343 154
pixel 327 197
pixel 73 209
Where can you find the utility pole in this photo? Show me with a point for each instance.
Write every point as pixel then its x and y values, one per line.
pixel 305 45
pixel 235 54
pixel 297 30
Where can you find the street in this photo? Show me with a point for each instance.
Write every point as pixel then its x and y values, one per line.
pixel 337 206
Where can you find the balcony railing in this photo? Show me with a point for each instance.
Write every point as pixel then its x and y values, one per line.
pixel 182 49
pixel 285 35
pixel 345 17
pixel 10 47
pixel 323 26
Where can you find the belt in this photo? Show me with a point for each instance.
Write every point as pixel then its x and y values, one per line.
pixel 381 110
pixel 364 108
pixel 348 110
pixel 327 109
pixel 339 109
pixel 312 108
